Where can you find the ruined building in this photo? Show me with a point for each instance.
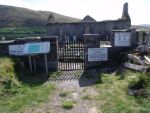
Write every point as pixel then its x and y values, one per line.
pixel 88 26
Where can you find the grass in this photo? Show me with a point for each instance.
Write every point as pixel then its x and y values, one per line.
pixel 15 100
pixel 20 90
pixel 113 96
pixel 20 32
pixel 68 104
pixel 7 72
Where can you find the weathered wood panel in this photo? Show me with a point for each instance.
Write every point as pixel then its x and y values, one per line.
pixel 136 67
pixel 136 59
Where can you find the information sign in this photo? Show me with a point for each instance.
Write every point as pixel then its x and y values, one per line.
pixel 97 54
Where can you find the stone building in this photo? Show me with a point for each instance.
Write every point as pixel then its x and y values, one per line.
pixel 89 26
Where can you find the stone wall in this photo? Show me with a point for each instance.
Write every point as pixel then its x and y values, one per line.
pixel 78 29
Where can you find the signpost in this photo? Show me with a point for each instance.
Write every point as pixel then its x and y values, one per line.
pixel 97 54
pixel 122 39
pixel 30 49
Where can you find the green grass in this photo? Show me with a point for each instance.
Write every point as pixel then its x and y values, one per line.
pixel 20 90
pixel 68 104
pixel 20 32
pixel 113 95
pixel 15 100
pixel 7 72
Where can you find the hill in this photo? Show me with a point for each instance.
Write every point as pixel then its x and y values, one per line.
pixel 143 27
pixel 16 16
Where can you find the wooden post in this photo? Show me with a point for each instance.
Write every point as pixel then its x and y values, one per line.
pixel 30 63
pixel 46 66
pixel 34 63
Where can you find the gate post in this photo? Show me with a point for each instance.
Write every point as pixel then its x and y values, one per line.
pixel 90 41
pixel 52 57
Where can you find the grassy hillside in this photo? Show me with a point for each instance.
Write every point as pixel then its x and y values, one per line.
pixel 17 16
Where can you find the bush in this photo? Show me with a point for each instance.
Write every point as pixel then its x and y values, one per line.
pixel 7 72
pixel 139 82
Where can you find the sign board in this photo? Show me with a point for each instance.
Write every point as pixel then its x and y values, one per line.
pixel 37 48
pixel 29 48
pixel 16 50
pixel 122 39
pixel 97 54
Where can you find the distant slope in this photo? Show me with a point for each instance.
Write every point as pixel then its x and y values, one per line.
pixel 144 27
pixel 11 16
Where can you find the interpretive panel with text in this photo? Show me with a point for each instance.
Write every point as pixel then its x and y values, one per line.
pixel 29 48
pixel 97 54
pixel 122 39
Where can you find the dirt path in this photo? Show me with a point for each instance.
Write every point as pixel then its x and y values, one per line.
pixel 78 90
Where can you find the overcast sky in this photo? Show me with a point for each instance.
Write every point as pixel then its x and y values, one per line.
pixel 139 10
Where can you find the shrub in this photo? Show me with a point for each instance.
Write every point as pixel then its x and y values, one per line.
pixel 138 82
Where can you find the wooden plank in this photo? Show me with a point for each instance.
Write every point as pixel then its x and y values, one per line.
pixel 147 59
pixel 136 59
pixel 136 67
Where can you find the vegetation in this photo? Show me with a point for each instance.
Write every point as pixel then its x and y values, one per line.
pixel 19 92
pixel 17 16
pixel 139 82
pixel 113 94
pixel 68 104
pixel 20 32
pixel 7 73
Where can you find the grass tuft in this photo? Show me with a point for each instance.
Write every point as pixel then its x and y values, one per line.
pixel 68 104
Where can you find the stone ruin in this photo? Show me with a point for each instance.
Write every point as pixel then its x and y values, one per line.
pixel 88 25
pixel 125 14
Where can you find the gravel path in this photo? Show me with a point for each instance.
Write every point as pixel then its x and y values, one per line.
pixel 78 90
